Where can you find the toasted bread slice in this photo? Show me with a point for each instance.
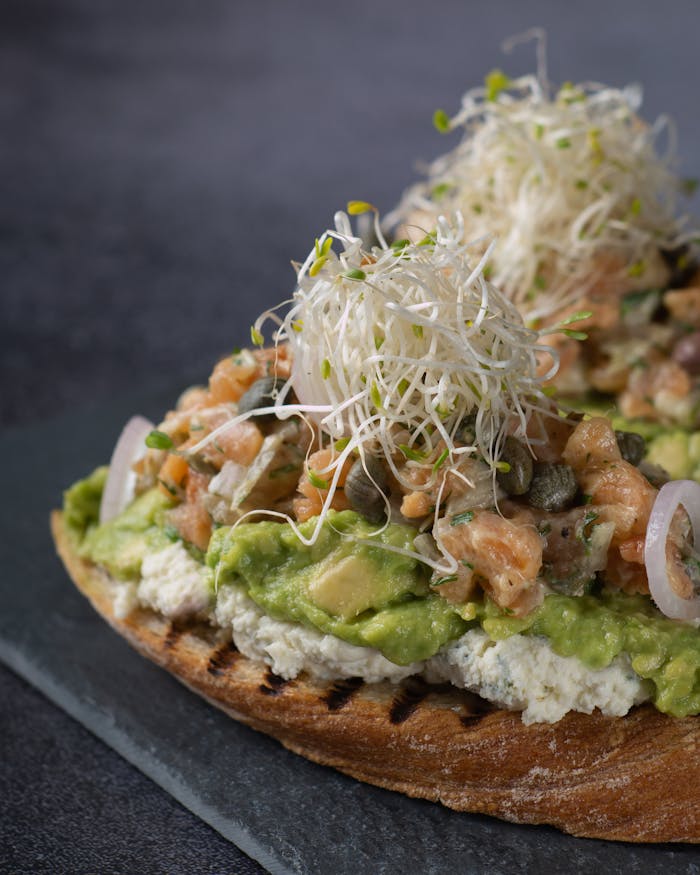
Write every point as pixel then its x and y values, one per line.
pixel 635 778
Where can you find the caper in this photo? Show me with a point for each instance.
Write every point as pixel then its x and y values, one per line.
pixel 632 446
pixel 365 489
pixel 553 487
pixel 515 481
pixel 262 393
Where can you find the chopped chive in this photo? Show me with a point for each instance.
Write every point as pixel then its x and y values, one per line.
pixel 410 453
pixel 316 481
pixel 460 519
pixel 417 331
pixel 448 578
pixel 159 440
pixel 441 121
pixel 441 459
pixel 325 369
pixel 355 274
pixel 356 208
pixel 256 336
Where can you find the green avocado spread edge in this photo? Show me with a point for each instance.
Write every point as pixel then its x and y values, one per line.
pixel 390 605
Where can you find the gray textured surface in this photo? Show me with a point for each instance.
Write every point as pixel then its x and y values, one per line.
pixel 161 163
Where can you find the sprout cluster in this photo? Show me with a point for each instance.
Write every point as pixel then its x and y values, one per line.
pixel 571 184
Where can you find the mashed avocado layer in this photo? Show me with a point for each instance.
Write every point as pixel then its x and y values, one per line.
pixel 372 597
pixel 363 594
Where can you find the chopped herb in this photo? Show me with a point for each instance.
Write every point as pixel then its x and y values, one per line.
pixel 171 489
pixel 461 518
pixel 159 440
pixel 448 578
pixel 441 459
pixel 410 453
pixel 316 481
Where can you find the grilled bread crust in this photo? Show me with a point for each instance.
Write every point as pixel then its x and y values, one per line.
pixel 635 778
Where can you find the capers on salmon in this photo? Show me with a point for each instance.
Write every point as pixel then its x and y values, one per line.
pixel 516 479
pixel 262 393
pixel 632 446
pixel 553 487
pixel 365 489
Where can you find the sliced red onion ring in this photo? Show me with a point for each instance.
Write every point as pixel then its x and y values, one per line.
pixel 671 495
pixel 121 480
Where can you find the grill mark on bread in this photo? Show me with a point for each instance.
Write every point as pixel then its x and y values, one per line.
pixel 274 684
pixel 341 692
pixel 409 697
pixel 173 634
pixel 222 658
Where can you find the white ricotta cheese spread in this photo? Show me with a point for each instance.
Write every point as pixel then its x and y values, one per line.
pixel 523 673
pixel 174 584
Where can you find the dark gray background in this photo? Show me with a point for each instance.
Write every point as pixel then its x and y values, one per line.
pixel 160 165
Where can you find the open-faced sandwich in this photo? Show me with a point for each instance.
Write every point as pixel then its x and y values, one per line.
pixel 381 542
pixel 583 197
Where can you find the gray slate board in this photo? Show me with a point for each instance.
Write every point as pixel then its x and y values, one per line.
pixel 289 814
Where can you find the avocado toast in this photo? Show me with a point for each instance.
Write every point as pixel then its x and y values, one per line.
pixel 380 542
